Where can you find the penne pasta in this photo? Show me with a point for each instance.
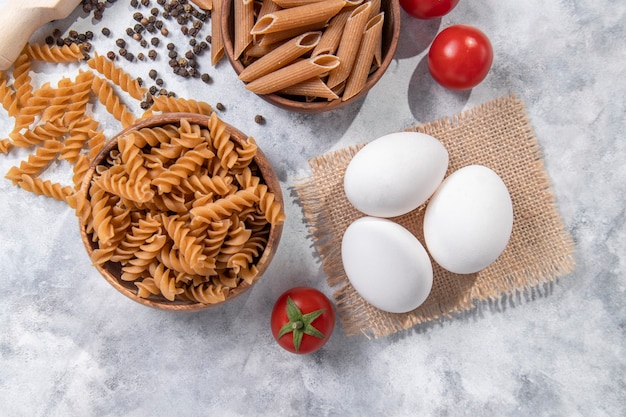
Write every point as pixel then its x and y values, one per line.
pixel 314 87
pixel 332 35
pixel 217 42
pixel 361 69
pixel 281 56
pixel 349 44
pixel 244 16
pixel 293 74
pixel 286 19
pixel 285 4
pixel 276 37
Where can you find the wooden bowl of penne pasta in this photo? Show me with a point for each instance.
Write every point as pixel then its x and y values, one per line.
pixel 181 211
pixel 310 56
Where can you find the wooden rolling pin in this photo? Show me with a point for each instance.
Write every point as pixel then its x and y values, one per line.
pixel 19 19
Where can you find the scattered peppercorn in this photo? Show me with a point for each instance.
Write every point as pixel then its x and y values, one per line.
pixel 259 119
pixel 220 106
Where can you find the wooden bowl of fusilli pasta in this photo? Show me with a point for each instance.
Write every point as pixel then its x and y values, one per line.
pixel 181 211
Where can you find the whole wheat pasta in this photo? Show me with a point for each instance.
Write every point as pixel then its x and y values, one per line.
pixel 203 4
pixel 295 17
pixel 217 41
pixel 117 76
pixel 178 104
pixel 55 54
pixel 6 145
pixel 273 38
pixel 349 44
pixel 285 4
pixel 37 162
pixel 244 20
pixel 281 56
pixel 22 80
pixel 107 96
pixel 38 135
pixel 361 69
pixel 8 99
pixel 332 34
pixel 313 87
pixel 45 188
pixel 293 74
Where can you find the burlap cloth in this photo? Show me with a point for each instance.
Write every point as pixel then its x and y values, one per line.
pixel 496 134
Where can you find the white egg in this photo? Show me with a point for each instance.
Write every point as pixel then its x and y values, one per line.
pixel 386 264
pixel 469 219
pixel 395 173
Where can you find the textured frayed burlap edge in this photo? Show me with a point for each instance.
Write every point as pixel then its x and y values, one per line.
pixel 458 294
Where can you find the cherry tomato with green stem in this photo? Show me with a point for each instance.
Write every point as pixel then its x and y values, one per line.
pixel 302 320
pixel 460 57
pixel 428 9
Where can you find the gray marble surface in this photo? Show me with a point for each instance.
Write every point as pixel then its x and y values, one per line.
pixel 70 345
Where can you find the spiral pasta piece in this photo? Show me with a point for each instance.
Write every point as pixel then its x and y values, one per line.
pixel 147 287
pixel 54 53
pixel 144 257
pixel 222 142
pixel 6 145
pixel 8 99
pixel 37 162
pixel 112 102
pixel 45 188
pixel 22 80
pixel 184 166
pixel 79 136
pixel 118 76
pixel 206 293
pixel 165 103
pixel 188 245
pixel 269 207
pixel 224 207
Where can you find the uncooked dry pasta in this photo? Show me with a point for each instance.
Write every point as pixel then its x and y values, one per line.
pixel 349 44
pixel 217 40
pixel 201 233
pixel 295 17
pixel 118 76
pixel 293 74
pixel 107 96
pixel 244 16
pixel 55 54
pixel 281 56
pixel 278 27
pixel 37 162
pixel 367 50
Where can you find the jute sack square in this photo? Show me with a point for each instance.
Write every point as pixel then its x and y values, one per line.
pixel 496 134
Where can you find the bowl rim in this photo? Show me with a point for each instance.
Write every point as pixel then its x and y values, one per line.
pixel 390 38
pixel 269 177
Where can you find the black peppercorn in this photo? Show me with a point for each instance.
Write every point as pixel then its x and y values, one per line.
pixel 111 55
pixel 121 43
pixel 152 73
pixel 220 106
pixel 259 119
pixel 152 54
pixel 106 31
pixel 206 78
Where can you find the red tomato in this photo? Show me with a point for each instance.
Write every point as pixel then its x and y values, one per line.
pixel 428 9
pixel 302 320
pixel 460 57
